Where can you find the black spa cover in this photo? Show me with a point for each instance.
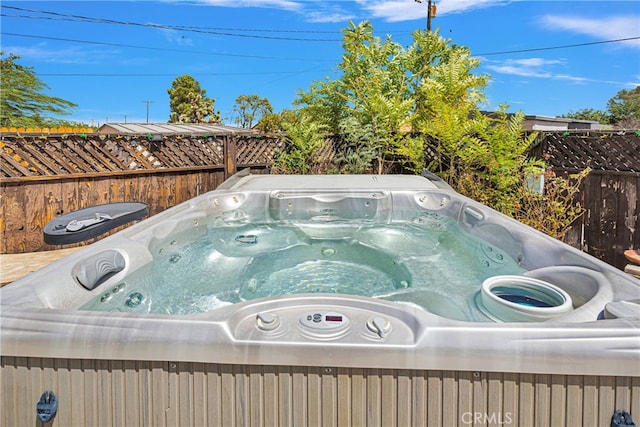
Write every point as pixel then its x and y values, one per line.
pixel 85 224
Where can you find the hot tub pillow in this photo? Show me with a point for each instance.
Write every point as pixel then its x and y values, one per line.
pixel 98 268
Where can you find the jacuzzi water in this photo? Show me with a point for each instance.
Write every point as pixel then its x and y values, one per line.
pixel 428 261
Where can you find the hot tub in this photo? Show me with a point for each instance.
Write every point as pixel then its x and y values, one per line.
pixel 295 300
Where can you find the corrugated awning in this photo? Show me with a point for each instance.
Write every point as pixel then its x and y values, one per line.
pixel 172 129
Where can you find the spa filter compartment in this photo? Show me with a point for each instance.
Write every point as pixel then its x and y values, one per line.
pixel 522 299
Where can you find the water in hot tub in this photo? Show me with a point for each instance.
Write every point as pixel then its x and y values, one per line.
pixel 426 261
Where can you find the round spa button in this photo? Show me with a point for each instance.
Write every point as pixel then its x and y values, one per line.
pixel 267 321
pixel 379 325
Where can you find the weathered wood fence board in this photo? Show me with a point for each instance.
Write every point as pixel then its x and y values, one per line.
pixel 610 193
pixel 55 155
pixel 615 151
pixel 611 223
pixel 29 206
pixel 46 177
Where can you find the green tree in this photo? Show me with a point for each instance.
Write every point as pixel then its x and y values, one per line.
pixel 392 103
pixel 305 143
pixel 250 109
pixel 380 91
pixel 624 108
pixel 270 123
pixel 359 148
pixel 22 101
pixel 446 104
pixel 276 122
pixel 370 97
pixel 554 210
pixel 483 157
pixel 590 114
pixel 188 102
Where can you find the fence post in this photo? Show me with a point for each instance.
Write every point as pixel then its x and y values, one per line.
pixel 230 145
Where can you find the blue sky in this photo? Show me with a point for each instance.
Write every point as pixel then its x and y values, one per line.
pixel 116 59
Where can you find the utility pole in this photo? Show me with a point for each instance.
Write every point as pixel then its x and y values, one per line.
pixel 151 102
pixel 431 12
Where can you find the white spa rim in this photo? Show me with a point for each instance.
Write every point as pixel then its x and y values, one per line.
pixel 496 299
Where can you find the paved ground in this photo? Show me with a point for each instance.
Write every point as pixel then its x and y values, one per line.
pixel 14 266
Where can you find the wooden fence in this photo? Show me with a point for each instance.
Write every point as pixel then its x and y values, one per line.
pixel 610 193
pixel 46 176
pixel 611 222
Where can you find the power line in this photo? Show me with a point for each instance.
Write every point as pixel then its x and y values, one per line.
pixel 159 74
pixel 204 30
pixel 217 31
pixel 557 47
pixel 236 55
pixel 303 59
pixel 79 18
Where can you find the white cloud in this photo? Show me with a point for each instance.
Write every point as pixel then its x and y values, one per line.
pixel 327 17
pixel 602 28
pixel 456 6
pixel 68 55
pixel 405 10
pixel 312 11
pixel 328 11
pixel 541 68
pixel 528 67
pixel 394 10
pixel 176 37
pixel 535 62
pixel 271 4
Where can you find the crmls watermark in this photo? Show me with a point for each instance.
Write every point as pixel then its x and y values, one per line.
pixel 499 418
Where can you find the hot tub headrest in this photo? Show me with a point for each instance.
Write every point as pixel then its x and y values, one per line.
pixel 96 269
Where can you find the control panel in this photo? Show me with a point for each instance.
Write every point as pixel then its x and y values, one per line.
pixel 325 322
